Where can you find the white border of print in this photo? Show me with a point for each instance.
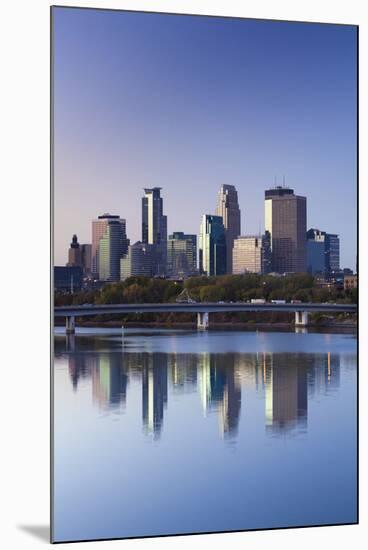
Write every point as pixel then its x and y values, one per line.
pixel 25 269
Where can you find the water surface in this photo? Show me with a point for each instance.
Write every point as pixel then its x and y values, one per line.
pixel 177 431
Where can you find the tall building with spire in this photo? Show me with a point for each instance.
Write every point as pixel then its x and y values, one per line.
pixel 79 255
pixel 74 253
pixel 154 227
pixel 228 208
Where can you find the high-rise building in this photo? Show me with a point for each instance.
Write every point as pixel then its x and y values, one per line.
pixel 332 252
pixel 86 256
pixel 154 227
pixel 79 255
pixel 228 208
pixel 181 254
pixel 316 252
pixel 251 254
pixel 138 261
pixel 285 219
pixel 323 252
pixel 212 246
pixel 74 253
pixel 109 245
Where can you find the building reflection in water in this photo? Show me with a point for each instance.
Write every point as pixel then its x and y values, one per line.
pixel 286 393
pixel 220 389
pixel 79 367
pixel 290 380
pixel 109 380
pixel 154 391
pixel 286 380
pixel 183 372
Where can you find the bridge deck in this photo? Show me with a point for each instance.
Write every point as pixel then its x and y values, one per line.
pixel 200 307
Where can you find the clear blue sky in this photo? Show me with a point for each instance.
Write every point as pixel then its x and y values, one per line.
pixel 189 103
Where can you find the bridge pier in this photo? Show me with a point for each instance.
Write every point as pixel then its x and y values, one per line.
pixel 70 343
pixel 203 320
pixel 301 318
pixel 70 325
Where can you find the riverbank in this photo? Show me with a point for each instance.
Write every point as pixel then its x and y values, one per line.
pixel 348 324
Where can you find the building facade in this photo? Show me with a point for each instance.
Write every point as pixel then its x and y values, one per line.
pixel 68 278
pixel 181 254
pixel 109 245
pixel 285 219
pixel 332 252
pixel 350 282
pixel 316 252
pixel 138 261
pixel 74 253
pixel 212 246
pixel 228 208
pixel 86 256
pixel 323 252
pixel 154 227
pixel 252 254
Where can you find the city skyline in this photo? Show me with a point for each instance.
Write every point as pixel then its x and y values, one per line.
pixel 286 246
pixel 279 100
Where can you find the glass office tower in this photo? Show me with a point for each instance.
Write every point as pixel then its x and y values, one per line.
pixel 181 254
pixel 109 245
pixel 323 252
pixel 154 227
pixel 212 246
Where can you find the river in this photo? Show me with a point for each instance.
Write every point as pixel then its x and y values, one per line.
pixel 181 431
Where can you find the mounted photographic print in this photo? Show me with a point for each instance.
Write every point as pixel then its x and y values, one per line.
pixel 204 367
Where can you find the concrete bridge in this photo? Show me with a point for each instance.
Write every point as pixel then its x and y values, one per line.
pixel 202 309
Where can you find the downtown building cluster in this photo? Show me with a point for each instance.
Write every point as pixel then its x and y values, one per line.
pixel 285 246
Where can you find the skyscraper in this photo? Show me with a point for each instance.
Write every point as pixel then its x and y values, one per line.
pixel 138 261
pixel 109 245
pixel 323 252
pixel 154 227
pixel 332 253
pixel 228 209
pixel 181 254
pixel 316 251
pixel 285 219
pixel 212 246
pixel 251 254
pixel 86 255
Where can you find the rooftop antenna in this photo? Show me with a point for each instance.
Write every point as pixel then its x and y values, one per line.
pixel 275 181
pixel 283 181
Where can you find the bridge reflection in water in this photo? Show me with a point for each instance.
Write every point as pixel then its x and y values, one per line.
pixel 284 380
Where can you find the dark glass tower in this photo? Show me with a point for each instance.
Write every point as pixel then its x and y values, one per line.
pixel 323 252
pixel 212 246
pixel 154 227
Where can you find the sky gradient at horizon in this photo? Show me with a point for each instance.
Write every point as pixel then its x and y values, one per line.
pixel 188 103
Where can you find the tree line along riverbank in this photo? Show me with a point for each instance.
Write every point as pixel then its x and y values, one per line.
pixel 232 288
